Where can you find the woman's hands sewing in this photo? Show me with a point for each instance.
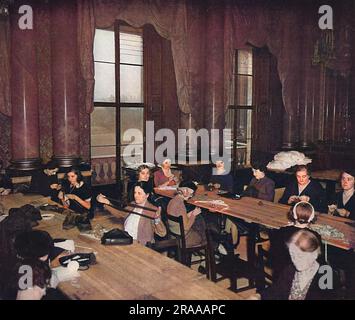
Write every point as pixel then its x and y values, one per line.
pixel 194 212
pixel 304 198
pixel 333 209
pixel 157 216
pixel 102 199
pixel 158 213
pixel 72 197
pixel 343 212
pixel 295 198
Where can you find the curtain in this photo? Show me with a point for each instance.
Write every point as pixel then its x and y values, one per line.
pixel 5 104
pixel 169 18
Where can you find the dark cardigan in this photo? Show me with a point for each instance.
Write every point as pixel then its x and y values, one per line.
pixel 314 190
pixel 263 189
pixel 349 206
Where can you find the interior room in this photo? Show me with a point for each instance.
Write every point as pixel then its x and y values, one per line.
pixel 208 143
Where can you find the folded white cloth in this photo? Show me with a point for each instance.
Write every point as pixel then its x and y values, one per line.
pixel 168 188
pixel 287 159
pixel 61 274
pixel 66 245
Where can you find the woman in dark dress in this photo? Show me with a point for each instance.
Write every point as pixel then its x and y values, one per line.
pixel 303 188
pixel 45 181
pixel 222 180
pixel 75 193
pixel 143 174
pixel 343 202
pixel 260 186
pixel 6 185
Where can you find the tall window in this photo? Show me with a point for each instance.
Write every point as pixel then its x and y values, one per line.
pixel 131 104
pixel 239 116
pixel 103 118
pixel 118 97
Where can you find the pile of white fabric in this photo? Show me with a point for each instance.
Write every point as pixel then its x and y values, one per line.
pixel 287 159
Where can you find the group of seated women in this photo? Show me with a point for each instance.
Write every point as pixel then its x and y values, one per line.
pixel 294 250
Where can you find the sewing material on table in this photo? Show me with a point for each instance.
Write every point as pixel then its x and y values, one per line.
pixel 47 216
pixel 327 231
pixel 213 203
pixel 173 188
pixel 96 234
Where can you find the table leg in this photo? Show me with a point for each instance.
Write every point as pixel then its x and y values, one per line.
pixel 251 242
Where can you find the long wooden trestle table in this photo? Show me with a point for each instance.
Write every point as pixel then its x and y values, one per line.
pixel 131 272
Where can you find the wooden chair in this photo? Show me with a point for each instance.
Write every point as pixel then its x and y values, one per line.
pixel 165 244
pixel 185 253
pixel 278 194
pixel 263 261
pixel 230 267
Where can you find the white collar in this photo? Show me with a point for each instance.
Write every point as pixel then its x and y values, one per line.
pixel 349 193
pixel 79 185
pixel 303 187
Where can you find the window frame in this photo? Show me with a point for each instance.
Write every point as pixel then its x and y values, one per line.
pixel 118 25
pixel 118 104
pixel 235 107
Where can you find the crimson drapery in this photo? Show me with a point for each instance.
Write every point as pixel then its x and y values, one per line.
pixel 280 26
pixel 169 18
pixel 5 104
pixel 260 24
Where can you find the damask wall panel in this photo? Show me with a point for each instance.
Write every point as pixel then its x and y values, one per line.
pixel 5 139
pixel 317 91
pixel 44 81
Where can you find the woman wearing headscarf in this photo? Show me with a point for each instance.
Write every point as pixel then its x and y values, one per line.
pixel 164 177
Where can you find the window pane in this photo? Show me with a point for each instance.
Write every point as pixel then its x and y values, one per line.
pixel 132 118
pixel 244 90
pixel 103 132
pixel 104 82
pixel 104 45
pixel 131 48
pixel 230 115
pixel 131 84
pixel 245 62
pixel 244 122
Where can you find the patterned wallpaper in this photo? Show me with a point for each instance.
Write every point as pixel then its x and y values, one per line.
pixel 44 81
pixel 5 139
